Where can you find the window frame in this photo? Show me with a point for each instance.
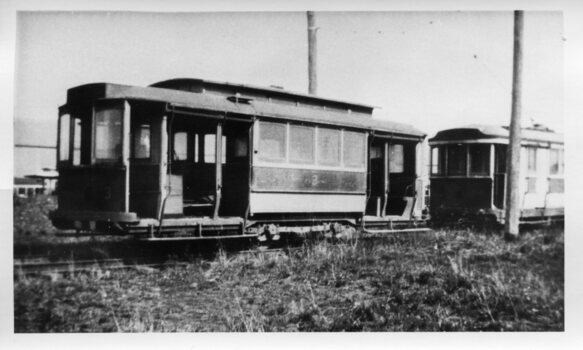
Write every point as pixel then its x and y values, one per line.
pixel 108 105
pixel 560 162
pixel 392 164
pixel 212 160
pixel 64 131
pixel 339 149
pixel 362 135
pixel 289 147
pixel 258 161
pixel 285 143
pixel 139 126
pixel 440 167
pixel 534 169
pixel 487 158
pixel 185 145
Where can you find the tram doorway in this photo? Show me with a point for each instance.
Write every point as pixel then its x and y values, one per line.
pixel 392 178
pixel 209 163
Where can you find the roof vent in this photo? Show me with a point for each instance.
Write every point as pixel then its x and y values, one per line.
pixel 237 98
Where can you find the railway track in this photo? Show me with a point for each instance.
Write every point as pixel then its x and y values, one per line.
pixel 115 258
pixel 76 266
pixel 39 265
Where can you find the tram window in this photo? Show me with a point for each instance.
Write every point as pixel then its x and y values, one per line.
pixel 77 142
pixel 500 159
pixel 456 160
pixel 196 148
pixel 556 162
pixel 531 157
pixel 108 134
pixel 272 142
pixel 301 143
pixel 556 185
pixel 354 149
pixel 241 149
pixel 64 134
pixel 479 159
pixel 142 142
pixel 328 147
pixel 210 149
pixel 396 159
pixel 531 184
pixel 435 160
pixel 180 149
pixel 375 152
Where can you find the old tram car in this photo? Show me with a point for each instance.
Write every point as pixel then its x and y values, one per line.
pixel 468 174
pixel 206 159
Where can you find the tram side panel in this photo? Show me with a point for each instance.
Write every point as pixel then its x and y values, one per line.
pixel 307 170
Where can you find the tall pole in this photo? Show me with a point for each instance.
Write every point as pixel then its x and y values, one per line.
pixel 513 157
pixel 312 75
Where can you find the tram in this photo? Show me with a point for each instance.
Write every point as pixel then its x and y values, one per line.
pixel 199 159
pixel 468 174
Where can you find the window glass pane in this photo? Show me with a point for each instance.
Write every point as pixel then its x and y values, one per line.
pixel 196 148
pixel 479 159
pixel 328 147
pixel 77 142
pixel 531 184
pixel 241 148
pixel 438 160
pixel 557 185
pixel 456 160
pixel 180 146
pixel 442 158
pixel 375 152
pixel 354 149
pixel 531 156
pixel 556 166
pixel 64 137
pixel 435 160
pixel 500 159
pixel 272 142
pixel 210 149
pixel 396 159
pixel 301 143
pixel 108 133
pixel 142 141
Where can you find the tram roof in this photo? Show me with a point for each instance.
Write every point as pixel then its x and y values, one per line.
pixel 274 93
pixel 483 131
pixel 243 105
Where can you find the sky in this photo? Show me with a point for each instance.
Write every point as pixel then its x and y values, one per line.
pixel 433 70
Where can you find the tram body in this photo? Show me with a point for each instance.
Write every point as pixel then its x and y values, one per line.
pixel 207 159
pixel 468 174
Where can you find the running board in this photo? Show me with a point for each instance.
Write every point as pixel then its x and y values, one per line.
pixel 195 238
pixel 404 230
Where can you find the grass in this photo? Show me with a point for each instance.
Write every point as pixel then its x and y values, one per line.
pixel 452 280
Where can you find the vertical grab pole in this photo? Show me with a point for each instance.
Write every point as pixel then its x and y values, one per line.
pixel 163 163
pixel 218 168
pixel 126 153
pixel 385 178
pixel 58 139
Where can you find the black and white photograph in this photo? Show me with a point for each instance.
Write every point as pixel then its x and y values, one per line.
pixel 368 170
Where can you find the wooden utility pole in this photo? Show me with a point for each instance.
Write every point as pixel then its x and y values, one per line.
pixel 513 156
pixel 312 75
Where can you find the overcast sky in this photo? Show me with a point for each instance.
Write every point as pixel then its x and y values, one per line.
pixel 434 70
